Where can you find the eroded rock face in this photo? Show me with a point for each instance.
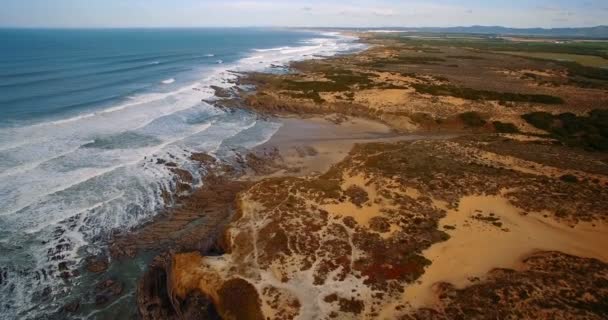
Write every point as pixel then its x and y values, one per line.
pixel 349 243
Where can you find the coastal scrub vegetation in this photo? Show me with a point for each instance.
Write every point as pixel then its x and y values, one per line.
pixel 338 81
pixel 493 45
pixel 472 119
pixel 502 127
pixel 403 60
pixel 590 132
pixel 474 94
pixel 598 49
pixel 466 57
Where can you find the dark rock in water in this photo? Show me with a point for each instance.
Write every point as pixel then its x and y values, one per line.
pixel 72 307
pixel 109 286
pixel 221 92
pixel 45 294
pixel 44 274
pixel 122 250
pixel 203 158
pixel 107 290
pixel 101 300
pixel 97 264
pixel 63 266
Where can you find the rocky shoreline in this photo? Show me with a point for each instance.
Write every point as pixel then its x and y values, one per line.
pixel 356 228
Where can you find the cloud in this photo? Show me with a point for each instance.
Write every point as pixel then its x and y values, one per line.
pixel 384 12
pixel 365 11
pixel 548 8
pixel 300 13
pixel 250 5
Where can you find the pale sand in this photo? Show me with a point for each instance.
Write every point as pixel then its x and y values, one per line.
pixel 525 138
pixel 476 247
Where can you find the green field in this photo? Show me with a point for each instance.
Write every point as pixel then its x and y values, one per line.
pixel 597 49
pixel 585 60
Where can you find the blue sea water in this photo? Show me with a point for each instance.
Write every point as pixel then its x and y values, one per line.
pixel 53 73
pixel 85 117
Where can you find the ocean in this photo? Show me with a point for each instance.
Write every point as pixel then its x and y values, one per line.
pixel 85 117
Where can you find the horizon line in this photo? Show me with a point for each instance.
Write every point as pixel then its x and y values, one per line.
pixel 292 27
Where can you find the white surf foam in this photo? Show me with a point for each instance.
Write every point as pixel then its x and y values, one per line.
pixel 89 191
pixel 271 49
pixel 168 81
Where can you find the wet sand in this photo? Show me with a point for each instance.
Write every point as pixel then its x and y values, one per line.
pixel 312 145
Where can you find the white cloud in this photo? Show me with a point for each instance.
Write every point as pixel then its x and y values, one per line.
pixel 304 13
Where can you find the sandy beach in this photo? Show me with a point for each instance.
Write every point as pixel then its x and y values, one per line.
pixel 312 145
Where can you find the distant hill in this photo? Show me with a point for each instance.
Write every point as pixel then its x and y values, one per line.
pixel 590 32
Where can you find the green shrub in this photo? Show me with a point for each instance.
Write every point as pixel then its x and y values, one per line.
pixel 316 86
pixel 541 120
pixel 472 119
pixel 569 178
pixel 589 132
pixel 598 49
pixel 503 127
pixel 404 60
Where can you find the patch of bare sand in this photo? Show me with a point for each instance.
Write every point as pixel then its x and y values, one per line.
pixel 526 138
pixel 477 246
pixel 541 73
pixel 381 98
pixel 395 78
pixel 453 100
pixel 313 145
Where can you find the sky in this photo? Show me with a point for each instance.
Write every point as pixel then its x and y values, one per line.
pixel 301 13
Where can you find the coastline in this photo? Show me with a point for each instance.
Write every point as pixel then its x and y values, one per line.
pixel 183 226
pixel 312 145
pixel 159 136
pixel 426 179
pixel 287 154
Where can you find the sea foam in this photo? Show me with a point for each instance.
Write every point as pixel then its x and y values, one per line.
pixel 83 177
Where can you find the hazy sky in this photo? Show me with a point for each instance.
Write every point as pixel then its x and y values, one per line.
pixel 359 13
